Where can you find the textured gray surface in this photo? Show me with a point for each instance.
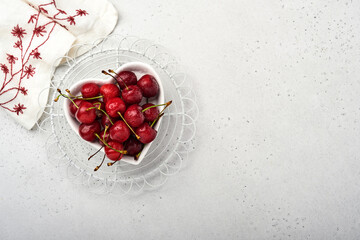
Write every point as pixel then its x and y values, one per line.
pixel 277 146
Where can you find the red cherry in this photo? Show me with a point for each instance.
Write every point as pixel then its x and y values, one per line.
pixel 89 90
pixel 115 105
pixel 112 154
pixel 134 116
pixel 150 114
pixel 132 95
pixel 105 121
pixel 148 85
pixel 87 131
pixel 146 133
pixel 84 114
pixel 133 146
pixel 119 132
pixel 72 107
pixel 109 91
pixel 126 76
pixel 104 136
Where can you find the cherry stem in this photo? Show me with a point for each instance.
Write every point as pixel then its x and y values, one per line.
pixel 116 81
pixel 152 124
pixel 95 153
pixel 137 136
pixel 71 95
pixel 160 113
pixel 112 71
pixel 99 105
pixel 106 144
pixel 97 167
pixel 65 96
pixel 105 130
pixel 111 163
pixel 106 73
pixel 167 104
pixel 82 98
pixel 98 108
pixel 137 156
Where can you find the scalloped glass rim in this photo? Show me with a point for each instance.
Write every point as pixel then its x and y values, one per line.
pixel 170 151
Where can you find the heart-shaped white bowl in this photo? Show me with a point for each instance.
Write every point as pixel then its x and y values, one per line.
pixel 139 69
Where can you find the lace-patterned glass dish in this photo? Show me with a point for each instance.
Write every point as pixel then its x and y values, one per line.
pixel 175 137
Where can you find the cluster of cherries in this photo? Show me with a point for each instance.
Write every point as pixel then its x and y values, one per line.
pixel 112 115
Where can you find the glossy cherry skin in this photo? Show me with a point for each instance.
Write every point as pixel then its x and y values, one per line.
pixel 132 95
pixel 109 91
pixel 89 90
pixel 134 116
pixel 126 76
pixel 96 104
pixel 104 136
pixel 115 105
pixel 133 146
pixel 83 115
pixel 87 131
pixel 105 121
pixel 150 114
pixel 146 133
pixel 148 85
pixel 119 132
pixel 111 154
pixel 72 107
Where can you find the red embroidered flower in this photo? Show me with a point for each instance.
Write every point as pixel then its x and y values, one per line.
pixel 18 32
pixel 17 44
pixel 4 68
pixel 11 58
pixel 23 91
pixel 32 18
pixel 71 20
pixel 29 71
pixel 35 53
pixel 81 12
pixel 38 31
pixel 19 108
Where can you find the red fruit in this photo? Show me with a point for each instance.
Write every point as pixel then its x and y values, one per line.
pixel 146 133
pixel 112 154
pixel 104 136
pixel 72 107
pixel 109 91
pixel 134 116
pixel 87 131
pixel 132 95
pixel 115 105
pixel 89 90
pixel 150 114
pixel 96 104
pixel 133 146
pixel 84 114
pixel 105 120
pixel 119 132
pixel 148 85
pixel 126 76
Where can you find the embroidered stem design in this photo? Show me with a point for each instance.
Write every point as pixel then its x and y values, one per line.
pixel 25 70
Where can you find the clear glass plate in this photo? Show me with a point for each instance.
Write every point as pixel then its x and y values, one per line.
pixel 175 137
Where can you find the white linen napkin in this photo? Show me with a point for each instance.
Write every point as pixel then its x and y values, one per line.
pixel 34 34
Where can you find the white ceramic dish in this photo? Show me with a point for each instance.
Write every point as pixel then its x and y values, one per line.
pixel 139 69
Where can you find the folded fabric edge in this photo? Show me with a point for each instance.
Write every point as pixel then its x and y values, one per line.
pixel 44 97
pixel 105 25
